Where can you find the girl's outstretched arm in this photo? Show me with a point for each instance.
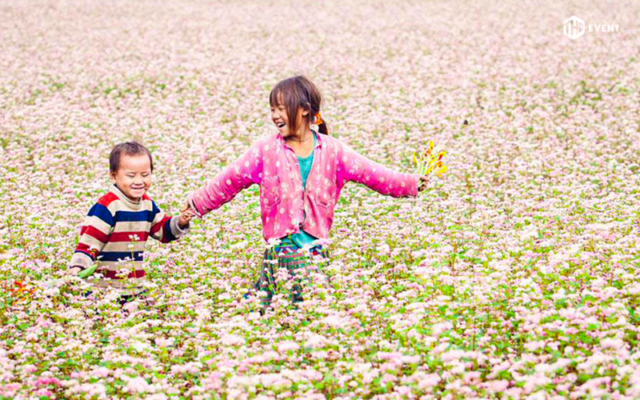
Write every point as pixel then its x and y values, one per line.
pixel 355 167
pixel 240 174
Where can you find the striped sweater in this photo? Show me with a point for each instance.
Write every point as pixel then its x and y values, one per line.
pixel 117 229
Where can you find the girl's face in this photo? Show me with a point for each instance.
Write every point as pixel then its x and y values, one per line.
pixel 281 120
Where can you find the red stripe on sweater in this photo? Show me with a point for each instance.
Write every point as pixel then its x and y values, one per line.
pixel 107 199
pixel 94 233
pixel 125 237
pixel 114 275
pixel 159 225
pixel 86 250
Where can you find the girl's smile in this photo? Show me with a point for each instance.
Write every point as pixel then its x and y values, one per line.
pixel 280 117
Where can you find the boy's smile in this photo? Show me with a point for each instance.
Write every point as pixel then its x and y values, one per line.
pixel 133 176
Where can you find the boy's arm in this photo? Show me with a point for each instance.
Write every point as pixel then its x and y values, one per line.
pixel 165 228
pixel 353 166
pixel 240 174
pixel 95 232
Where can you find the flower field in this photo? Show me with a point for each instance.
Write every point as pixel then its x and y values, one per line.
pixel 513 276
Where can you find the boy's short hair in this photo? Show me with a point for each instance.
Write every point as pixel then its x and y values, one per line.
pixel 127 148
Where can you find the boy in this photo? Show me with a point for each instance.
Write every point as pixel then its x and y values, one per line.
pixel 118 225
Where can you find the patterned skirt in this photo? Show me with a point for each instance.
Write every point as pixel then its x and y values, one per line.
pixel 288 262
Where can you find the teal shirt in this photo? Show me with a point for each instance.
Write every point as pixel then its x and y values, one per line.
pixel 303 238
pixel 305 163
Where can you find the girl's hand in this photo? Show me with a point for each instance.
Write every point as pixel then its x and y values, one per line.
pixel 422 183
pixel 187 207
pixel 74 271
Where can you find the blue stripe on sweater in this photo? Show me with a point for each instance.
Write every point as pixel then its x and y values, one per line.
pixel 102 212
pixel 154 207
pixel 135 216
pixel 114 256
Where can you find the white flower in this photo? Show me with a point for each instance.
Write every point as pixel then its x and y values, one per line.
pixel 138 385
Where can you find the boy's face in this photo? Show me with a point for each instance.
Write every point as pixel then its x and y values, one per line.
pixel 133 176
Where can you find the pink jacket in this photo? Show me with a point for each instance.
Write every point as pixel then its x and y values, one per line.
pixel 273 165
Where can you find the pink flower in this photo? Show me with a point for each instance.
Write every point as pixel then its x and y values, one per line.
pixel 212 382
pixel 46 381
pixel 496 386
pixel 286 346
pixel 429 381
pixel 138 385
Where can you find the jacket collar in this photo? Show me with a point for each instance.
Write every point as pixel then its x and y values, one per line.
pixel 284 144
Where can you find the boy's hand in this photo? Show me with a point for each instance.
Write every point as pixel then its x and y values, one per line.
pixel 81 272
pixel 185 217
pixel 422 183
pixel 187 207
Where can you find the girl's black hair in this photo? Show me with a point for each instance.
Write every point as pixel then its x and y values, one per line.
pixel 298 92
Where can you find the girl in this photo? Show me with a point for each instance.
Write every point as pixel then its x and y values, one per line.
pixel 301 174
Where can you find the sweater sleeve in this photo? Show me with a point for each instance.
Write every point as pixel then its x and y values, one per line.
pixel 165 228
pixel 239 175
pixel 355 167
pixel 95 232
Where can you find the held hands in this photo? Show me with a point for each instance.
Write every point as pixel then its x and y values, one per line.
pixel 186 214
pixel 422 183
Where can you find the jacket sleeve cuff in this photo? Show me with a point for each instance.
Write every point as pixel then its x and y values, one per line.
pixel 176 231
pixel 192 204
pixel 415 181
pixel 80 259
